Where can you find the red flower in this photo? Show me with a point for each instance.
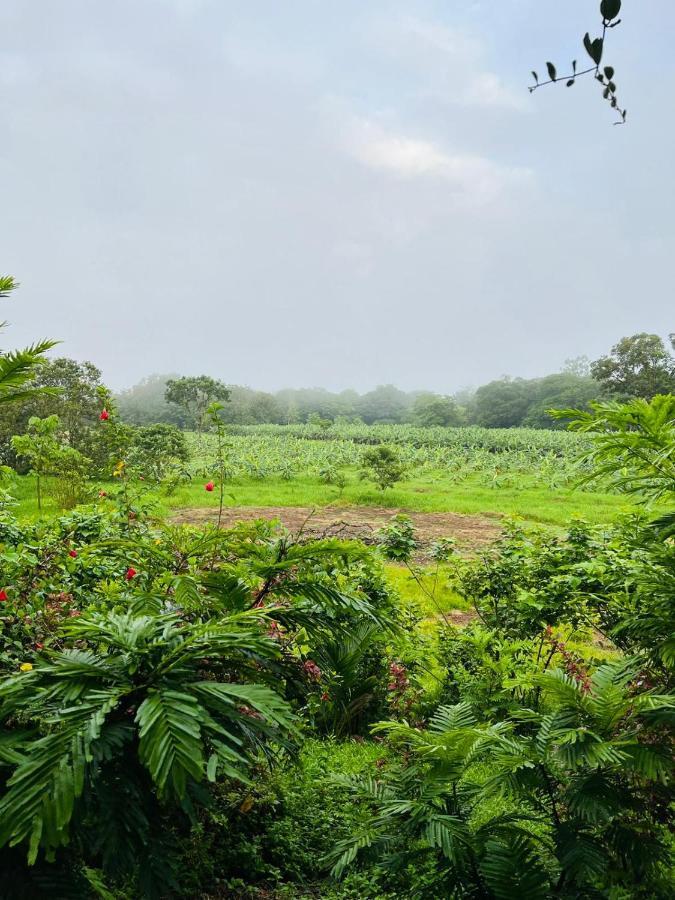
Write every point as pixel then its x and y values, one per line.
pixel 72 553
pixel 103 493
pixel 130 573
pixel 325 696
pixel 74 613
pixel 105 415
pixel 209 486
pixel 275 631
pixel 312 670
pixel 39 646
pixel 3 596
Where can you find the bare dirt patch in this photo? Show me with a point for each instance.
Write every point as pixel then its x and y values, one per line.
pixel 360 522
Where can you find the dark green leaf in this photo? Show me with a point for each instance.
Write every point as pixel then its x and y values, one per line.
pixel 610 9
pixel 609 72
pixel 597 48
pixel 535 76
pixel 588 44
pixel 552 74
pixel 593 48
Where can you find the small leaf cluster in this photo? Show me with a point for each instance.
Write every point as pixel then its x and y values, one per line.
pixel 595 48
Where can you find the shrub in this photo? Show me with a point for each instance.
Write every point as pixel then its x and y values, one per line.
pixel 382 466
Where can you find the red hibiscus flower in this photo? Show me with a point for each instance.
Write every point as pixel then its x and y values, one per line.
pixel 105 415
pixel 209 486
pixel 130 573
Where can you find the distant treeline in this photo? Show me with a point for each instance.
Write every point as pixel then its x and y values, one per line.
pixel 638 366
pixel 501 404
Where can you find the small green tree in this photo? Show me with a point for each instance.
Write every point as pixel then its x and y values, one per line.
pixel 48 457
pixel 158 449
pixel 38 446
pixel 382 466
pixel 214 413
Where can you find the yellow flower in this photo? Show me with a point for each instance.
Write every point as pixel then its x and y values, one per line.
pixel 158 540
pixel 25 667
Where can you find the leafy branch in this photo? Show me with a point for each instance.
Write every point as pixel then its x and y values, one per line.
pixel 609 10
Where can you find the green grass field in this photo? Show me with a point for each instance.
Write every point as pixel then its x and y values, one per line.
pixel 428 492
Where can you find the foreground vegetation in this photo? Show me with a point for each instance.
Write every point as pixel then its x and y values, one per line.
pixel 181 705
pixel 247 712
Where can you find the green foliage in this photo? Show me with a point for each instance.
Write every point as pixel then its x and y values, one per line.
pixel 18 367
pixel 546 803
pixel 135 693
pixel 144 665
pixel 157 450
pixel 432 409
pixel 382 465
pixel 509 403
pixel 594 47
pixel 638 366
pixel 530 579
pixel 397 539
pixel 156 674
pixel 633 446
pixel 145 403
pixel 194 395
pixel 49 458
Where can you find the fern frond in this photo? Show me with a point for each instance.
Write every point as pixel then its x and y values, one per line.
pixel 170 740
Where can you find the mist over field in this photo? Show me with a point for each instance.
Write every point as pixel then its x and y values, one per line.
pixel 344 195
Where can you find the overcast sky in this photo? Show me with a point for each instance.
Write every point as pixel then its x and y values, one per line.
pixel 342 194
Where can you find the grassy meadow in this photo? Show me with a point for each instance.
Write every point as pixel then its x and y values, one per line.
pixel 525 473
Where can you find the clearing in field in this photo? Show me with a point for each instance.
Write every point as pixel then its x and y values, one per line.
pixel 362 522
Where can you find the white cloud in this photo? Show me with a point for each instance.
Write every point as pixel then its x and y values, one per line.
pixel 410 158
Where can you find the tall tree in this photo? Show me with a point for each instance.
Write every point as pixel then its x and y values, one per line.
pixel 195 394
pixel 501 404
pixel 433 409
pixel 638 366
pixel 385 404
